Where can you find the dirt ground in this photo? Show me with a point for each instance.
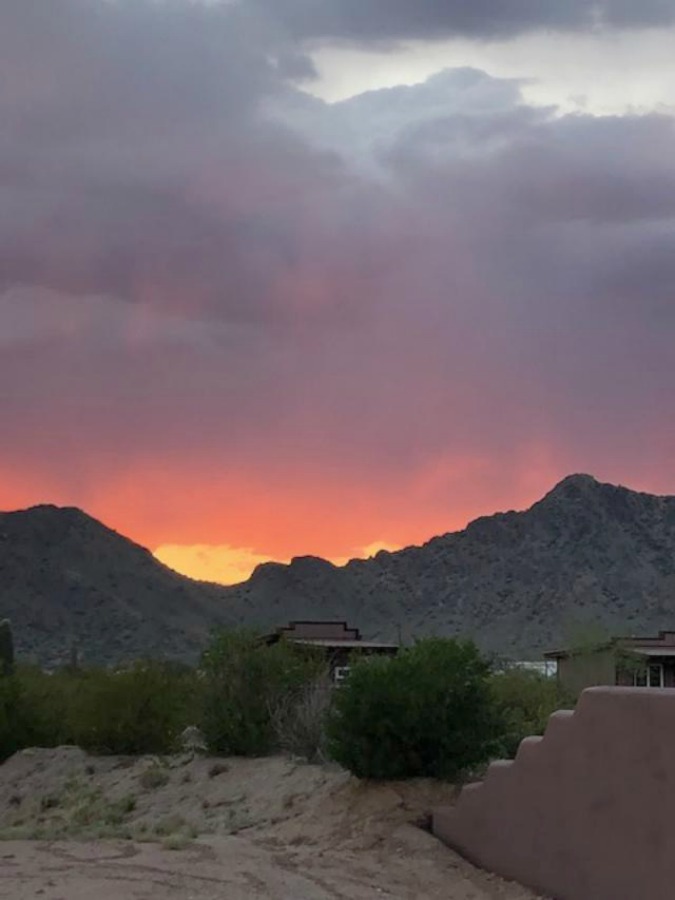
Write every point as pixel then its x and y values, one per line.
pixel 82 828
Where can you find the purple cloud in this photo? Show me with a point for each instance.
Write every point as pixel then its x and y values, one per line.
pixel 295 312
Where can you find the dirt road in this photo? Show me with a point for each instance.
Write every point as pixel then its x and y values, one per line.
pixel 235 868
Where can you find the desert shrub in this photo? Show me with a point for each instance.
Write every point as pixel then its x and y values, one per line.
pixel 48 701
pixel 156 776
pixel 299 719
pixel 426 712
pixel 142 709
pixel 32 711
pixel 524 700
pixel 244 681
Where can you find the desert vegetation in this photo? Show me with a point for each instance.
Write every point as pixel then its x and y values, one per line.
pixel 438 709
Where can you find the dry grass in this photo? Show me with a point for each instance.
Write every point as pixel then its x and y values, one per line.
pixel 154 777
pixel 298 720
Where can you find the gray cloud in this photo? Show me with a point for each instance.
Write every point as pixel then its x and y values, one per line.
pixel 200 265
pixel 134 153
pixel 391 20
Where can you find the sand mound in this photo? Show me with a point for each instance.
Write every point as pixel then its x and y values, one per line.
pixel 65 792
pixel 275 820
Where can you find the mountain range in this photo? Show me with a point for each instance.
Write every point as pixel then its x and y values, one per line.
pixel 588 556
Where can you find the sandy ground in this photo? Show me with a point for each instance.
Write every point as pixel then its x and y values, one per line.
pixel 265 829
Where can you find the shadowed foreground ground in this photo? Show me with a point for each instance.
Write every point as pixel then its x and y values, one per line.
pixel 236 869
pixel 268 829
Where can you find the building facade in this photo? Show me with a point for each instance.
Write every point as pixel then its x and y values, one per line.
pixel 625 661
pixel 337 640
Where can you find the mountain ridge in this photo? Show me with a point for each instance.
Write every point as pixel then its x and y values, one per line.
pixel 516 581
pixel 586 554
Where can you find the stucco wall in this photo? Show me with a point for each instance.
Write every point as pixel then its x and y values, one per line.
pixel 584 670
pixel 588 811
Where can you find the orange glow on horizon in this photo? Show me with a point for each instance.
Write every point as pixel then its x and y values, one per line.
pixel 218 563
pixel 217 522
pixel 223 564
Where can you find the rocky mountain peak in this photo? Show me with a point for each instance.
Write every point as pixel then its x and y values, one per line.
pixel 516 582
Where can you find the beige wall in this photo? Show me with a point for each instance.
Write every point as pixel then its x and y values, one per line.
pixel 582 670
pixel 587 811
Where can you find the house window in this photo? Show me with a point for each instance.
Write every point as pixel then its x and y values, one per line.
pixel 340 674
pixel 650 676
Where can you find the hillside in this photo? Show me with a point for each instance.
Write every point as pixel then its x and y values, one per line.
pixel 65 578
pixel 518 582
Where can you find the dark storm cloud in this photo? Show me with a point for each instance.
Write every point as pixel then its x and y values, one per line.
pixel 205 271
pixel 383 20
pixel 134 160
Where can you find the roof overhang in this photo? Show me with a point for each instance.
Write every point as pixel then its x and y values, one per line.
pixel 347 644
pixel 652 651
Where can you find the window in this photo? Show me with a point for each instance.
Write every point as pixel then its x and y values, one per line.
pixel 649 676
pixel 340 674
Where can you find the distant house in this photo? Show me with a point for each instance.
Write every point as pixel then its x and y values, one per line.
pixel 547 668
pixel 627 661
pixel 336 639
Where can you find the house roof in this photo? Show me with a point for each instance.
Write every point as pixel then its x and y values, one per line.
pixel 661 645
pixel 346 636
pixel 363 645
pixel 563 654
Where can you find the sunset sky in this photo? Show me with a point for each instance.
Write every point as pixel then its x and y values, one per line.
pixel 285 277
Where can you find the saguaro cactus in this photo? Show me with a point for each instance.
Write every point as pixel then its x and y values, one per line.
pixel 6 648
pixel 74 657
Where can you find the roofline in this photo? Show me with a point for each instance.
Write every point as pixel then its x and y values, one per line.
pixel 319 622
pixel 565 654
pixel 351 643
pixel 286 631
pixel 651 641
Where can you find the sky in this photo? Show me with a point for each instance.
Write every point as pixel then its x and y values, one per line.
pixel 288 277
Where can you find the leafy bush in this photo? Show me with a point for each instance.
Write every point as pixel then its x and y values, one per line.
pixel 245 681
pixel 47 702
pixel 524 700
pixel 426 712
pixel 142 709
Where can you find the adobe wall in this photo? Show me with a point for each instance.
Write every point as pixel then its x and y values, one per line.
pixel 588 811
pixel 582 670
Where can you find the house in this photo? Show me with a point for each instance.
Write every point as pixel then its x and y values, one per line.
pixel 336 639
pixel 627 661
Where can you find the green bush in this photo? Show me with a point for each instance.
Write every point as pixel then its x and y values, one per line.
pixel 524 700
pixel 142 709
pixel 47 704
pixel 244 683
pixel 427 712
